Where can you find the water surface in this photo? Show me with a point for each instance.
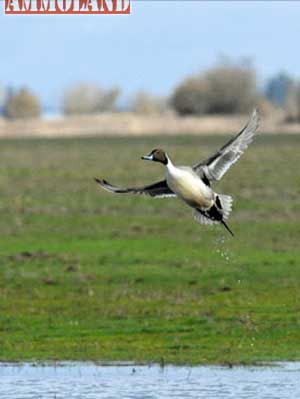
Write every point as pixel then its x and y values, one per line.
pixel 91 381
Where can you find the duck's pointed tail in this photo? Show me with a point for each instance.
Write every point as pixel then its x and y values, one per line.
pixel 227 227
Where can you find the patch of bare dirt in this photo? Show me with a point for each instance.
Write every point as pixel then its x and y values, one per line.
pixel 130 124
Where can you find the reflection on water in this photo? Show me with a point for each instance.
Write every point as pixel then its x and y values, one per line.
pixel 90 381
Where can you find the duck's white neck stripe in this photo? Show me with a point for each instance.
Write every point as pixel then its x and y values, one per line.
pixel 169 165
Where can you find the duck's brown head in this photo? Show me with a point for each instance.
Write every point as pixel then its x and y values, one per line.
pixel 157 155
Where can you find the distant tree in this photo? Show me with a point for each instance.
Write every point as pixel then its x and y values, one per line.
pixel 232 89
pixel 145 103
pixel 85 98
pixel 191 97
pixel 2 100
pixel 292 104
pixel 107 102
pixel 227 88
pixel 22 104
pixel 278 88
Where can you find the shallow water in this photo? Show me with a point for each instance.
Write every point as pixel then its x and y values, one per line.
pixel 90 381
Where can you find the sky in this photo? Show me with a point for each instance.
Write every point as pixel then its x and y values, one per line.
pixel 152 49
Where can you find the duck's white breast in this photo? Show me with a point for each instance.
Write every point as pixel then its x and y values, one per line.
pixel 188 186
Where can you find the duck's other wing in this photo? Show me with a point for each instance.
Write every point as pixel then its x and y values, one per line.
pixel 217 165
pixel 157 190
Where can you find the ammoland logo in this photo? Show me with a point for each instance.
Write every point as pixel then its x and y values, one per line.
pixel 67 6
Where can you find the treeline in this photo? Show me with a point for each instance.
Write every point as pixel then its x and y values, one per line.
pixel 20 104
pixel 227 88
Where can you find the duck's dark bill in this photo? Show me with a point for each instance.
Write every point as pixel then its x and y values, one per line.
pixel 148 157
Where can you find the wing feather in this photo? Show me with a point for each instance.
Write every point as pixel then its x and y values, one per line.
pixel 217 165
pixel 157 190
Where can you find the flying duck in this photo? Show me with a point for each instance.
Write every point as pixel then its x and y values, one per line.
pixel 193 184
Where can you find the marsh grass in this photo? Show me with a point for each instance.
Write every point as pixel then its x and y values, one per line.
pixel 91 276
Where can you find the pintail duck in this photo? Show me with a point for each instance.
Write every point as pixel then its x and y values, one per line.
pixel 193 184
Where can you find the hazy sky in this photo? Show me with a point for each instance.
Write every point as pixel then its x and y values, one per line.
pixel 153 48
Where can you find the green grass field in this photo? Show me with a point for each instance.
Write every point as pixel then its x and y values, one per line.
pixel 88 275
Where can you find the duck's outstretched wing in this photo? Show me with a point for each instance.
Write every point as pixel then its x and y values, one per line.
pixel 217 165
pixel 157 190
